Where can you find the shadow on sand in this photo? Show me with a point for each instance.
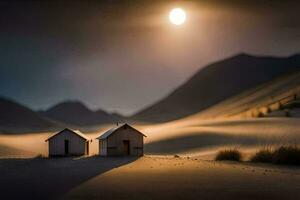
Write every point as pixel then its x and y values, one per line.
pixel 41 178
pixel 204 140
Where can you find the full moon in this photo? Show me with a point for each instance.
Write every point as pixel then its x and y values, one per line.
pixel 177 16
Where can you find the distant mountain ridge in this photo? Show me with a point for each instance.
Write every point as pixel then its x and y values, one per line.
pixel 15 117
pixel 234 78
pixel 76 113
pixel 217 82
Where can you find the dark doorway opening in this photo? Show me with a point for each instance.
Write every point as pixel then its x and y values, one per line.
pixel 87 148
pixel 66 147
pixel 126 145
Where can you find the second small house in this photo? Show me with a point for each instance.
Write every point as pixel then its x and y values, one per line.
pixel 68 143
pixel 121 140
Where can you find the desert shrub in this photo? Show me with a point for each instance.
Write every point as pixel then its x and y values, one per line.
pixel 289 155
pixel 284 155
pixel 231 154
pixel 264 155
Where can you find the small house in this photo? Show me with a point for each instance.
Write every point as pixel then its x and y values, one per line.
pixel 120 141
pixel 68 143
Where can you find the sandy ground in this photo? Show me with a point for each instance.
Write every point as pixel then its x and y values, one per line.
pixel 161 176
pixel 182 178
pixel 42 178
pixel 148 177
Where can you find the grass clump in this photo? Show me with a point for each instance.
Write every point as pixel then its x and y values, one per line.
pixel 284 155
pixel 231 154
pixel 263 156
pixel 288 155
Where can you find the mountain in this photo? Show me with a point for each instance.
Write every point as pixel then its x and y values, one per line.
pixel 267 99
pixel 76 113
pixel 15 117
pixel 217 82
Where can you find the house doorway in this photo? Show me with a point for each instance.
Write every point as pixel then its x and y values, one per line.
pixel 126 145
pixel 87 148
pixel 66 147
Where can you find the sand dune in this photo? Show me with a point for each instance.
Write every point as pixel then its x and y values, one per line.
pixel 194 137
pixel 9 152
pixel 186 137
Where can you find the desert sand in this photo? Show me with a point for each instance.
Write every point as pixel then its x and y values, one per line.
pixel 148 177
pixel 183 178
pixel 41 178
pixel 158 175
pixel 187 137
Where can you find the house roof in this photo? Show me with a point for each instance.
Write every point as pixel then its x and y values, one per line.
pixel 76 132
pixel 112 130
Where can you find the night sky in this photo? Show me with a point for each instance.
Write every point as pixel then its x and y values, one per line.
pixel 124 55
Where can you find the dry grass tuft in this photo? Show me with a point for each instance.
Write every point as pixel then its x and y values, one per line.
pixel 284 155
pixel 288 155
pixel 231 154
pixel 264 156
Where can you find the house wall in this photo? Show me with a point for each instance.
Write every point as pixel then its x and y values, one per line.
pixel 77 145
pixel 103 147
pixel 115 146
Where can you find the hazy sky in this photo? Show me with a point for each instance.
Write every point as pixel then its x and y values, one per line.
pixel 124 55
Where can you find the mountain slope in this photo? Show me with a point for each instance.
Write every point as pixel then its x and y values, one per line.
pixel 76 113
pixel 15 117
pixel 258 101
pixel 217 82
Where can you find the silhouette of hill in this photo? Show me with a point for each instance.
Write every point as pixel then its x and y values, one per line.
pixel 277 96
pixel 76 113
pixel 15 117
pixel 217 82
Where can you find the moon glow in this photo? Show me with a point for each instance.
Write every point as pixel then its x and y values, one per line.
pixel 177 16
